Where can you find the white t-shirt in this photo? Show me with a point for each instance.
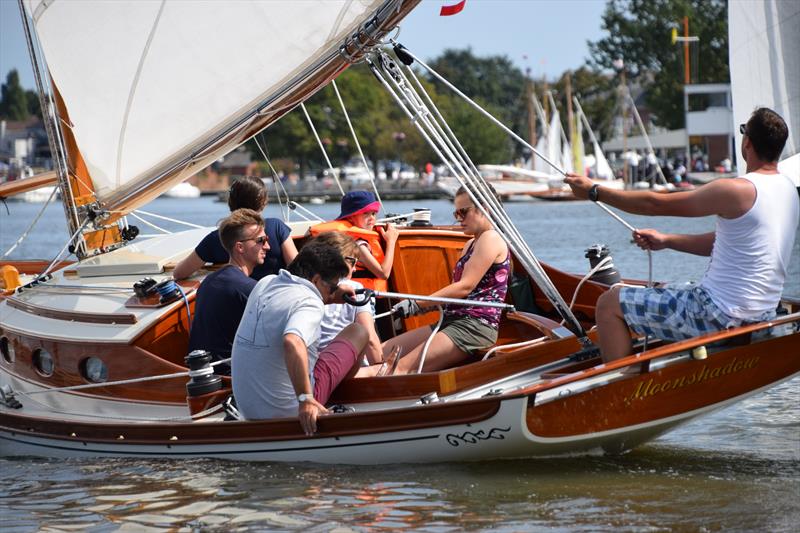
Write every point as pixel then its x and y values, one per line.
pixel 277 306
pixel 339 316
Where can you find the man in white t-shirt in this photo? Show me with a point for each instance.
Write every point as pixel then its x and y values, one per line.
pixel 276 369
pixel 750 249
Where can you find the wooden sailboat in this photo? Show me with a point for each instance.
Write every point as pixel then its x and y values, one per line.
pixel 88 368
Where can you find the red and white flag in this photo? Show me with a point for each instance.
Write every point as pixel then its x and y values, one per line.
pixel 452 9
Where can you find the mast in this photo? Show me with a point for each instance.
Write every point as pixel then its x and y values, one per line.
pixel 52 126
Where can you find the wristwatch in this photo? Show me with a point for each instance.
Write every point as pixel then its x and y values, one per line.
pixel 594 192
pixel 305 397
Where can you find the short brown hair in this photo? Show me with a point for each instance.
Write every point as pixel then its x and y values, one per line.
pixel 233 228
pixel 461 190
pixel 767 132
pixel 248 192
pixel 341 241
pixel 320 257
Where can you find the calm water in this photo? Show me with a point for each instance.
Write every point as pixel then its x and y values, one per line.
pixel 738 469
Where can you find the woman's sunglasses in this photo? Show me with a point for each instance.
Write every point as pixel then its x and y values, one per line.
pixel 460 214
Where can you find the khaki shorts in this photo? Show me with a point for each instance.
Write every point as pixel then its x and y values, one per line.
pixel 469 334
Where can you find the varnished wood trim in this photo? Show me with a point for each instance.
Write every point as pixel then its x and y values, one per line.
pixel 73 316
pixel 45 179
pixel 266 431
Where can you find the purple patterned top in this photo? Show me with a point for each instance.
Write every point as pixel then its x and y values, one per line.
pixel 491 288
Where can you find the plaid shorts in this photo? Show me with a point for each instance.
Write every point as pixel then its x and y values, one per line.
pixel 676 314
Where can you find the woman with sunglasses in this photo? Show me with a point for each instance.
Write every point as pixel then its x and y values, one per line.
pixel 481 274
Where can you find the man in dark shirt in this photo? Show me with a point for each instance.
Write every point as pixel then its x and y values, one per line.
pixel 248 192
pixel 223 295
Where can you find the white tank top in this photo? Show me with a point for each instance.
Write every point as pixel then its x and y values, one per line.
pixel 751 253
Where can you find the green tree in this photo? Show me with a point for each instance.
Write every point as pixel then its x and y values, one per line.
pixel 13 100
pixel 34 107
pixel 639 33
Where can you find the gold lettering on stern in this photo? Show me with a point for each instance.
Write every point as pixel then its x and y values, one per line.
pixel 651 387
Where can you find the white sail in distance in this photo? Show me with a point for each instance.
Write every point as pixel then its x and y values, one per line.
pixel 147 84
pixel 764 51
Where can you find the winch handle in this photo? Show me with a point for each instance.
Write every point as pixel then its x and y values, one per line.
pixel 367 296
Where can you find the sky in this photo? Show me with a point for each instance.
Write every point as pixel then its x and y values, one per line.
pixel 547 36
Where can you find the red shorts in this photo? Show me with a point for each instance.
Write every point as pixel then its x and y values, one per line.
pixel 334 363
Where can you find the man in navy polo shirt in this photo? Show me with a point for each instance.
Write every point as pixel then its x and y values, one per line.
pixel 223 295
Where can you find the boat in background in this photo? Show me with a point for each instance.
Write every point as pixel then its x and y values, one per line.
pixel 183 190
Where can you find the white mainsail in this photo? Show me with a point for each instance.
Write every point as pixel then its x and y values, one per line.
pixel 764 45
pixel 146 84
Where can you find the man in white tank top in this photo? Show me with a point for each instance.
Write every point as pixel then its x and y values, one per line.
pixel 757 216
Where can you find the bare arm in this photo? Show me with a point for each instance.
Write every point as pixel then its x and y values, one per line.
pixel 489 249
pixel 729 198
pixel 288 250
pixel 373 350
pixel 650 239
pixel 188 266
pixel 295 354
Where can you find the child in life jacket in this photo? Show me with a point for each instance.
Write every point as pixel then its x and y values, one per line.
pixel 357 219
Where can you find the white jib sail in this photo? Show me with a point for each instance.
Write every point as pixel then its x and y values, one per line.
pixel 146 81
pixel 764 45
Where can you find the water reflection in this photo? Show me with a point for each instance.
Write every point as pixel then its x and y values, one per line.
pixel 655 487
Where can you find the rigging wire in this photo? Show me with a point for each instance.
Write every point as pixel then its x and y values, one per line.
pixel 322 147
pixel 32 224
pixel 168 219
pixel 276 180
pixel 358 145
pixel 148 223
pixel 391 77
pixel 518 138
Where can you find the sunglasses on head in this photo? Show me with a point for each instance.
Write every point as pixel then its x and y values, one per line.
pixel 460 214
pixel 258 240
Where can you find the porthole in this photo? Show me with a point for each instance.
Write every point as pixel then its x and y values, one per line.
pixel 43 361
pixel 94 370
pixel 7 349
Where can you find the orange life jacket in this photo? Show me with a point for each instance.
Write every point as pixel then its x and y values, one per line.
pixel 362 274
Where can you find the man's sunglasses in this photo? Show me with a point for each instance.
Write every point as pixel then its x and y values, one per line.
pixel 460 214
pixel 258 240
pixel 743 129
pixel 332 287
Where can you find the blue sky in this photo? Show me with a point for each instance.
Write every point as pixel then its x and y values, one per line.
pixel 547 36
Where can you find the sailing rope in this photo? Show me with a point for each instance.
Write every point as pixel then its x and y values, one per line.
pixel 32 224
pixel 148 223
pixel 276 180
pixel 64 249
pixel 437 133
pixel 322 147
pixel 411 57
pixel 358 145
pixel 168 219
